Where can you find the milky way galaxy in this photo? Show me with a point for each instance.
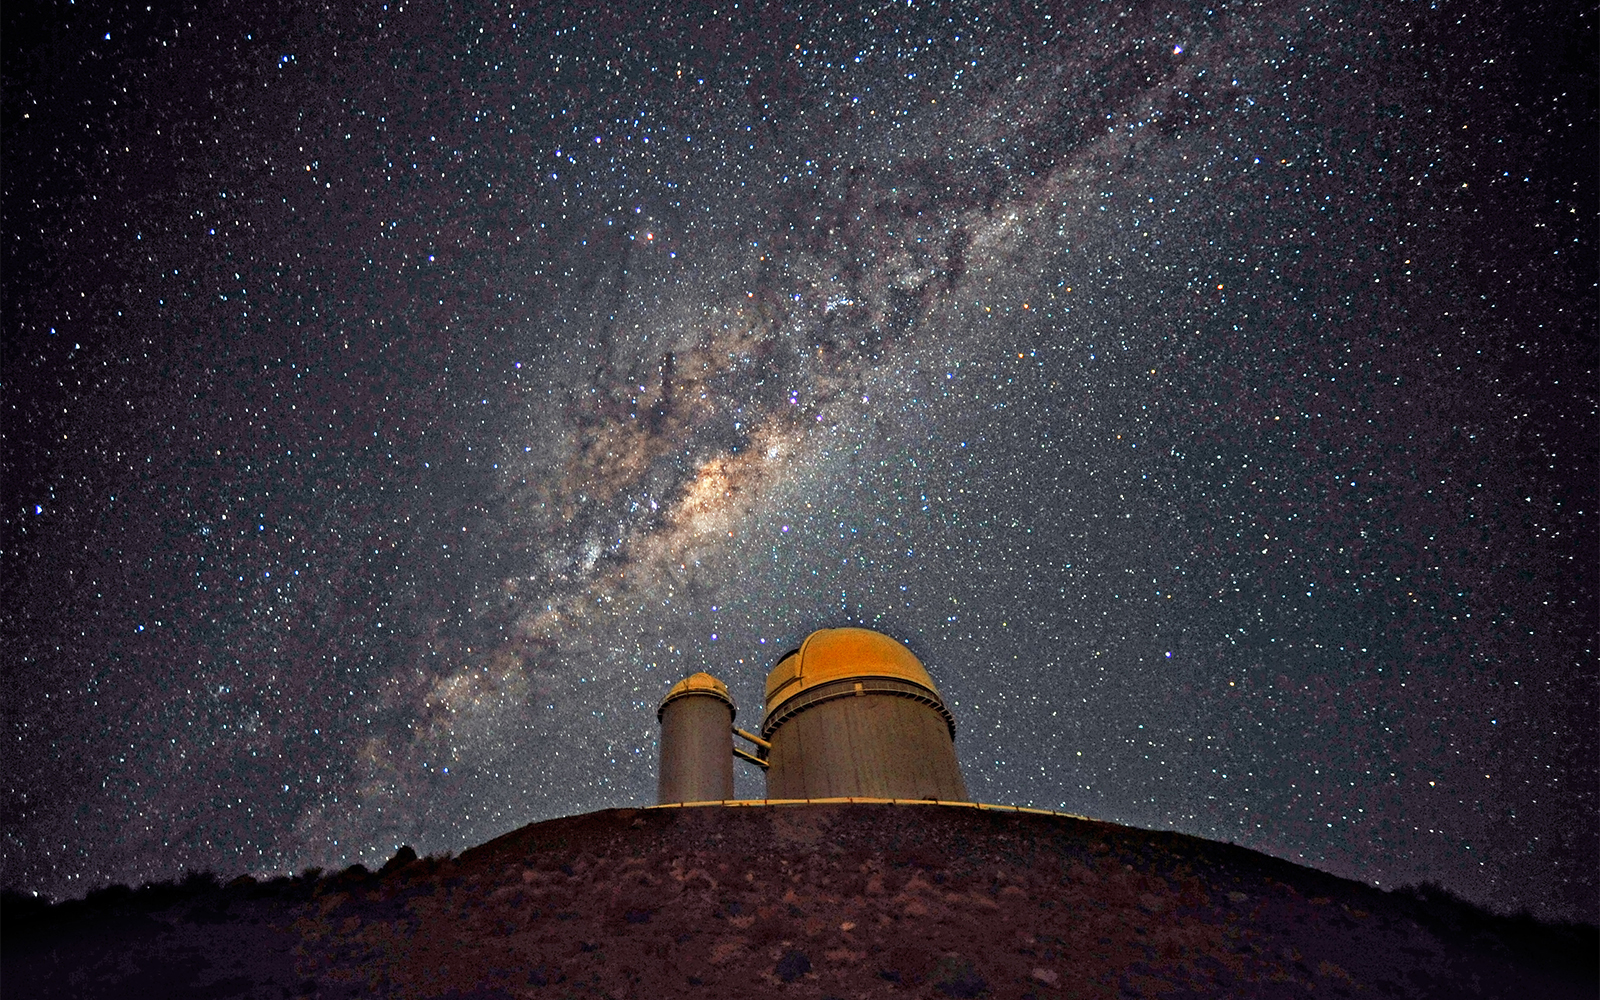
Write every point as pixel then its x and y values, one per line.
pixel 398 401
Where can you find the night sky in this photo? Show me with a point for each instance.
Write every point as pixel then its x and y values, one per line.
pixel 399 398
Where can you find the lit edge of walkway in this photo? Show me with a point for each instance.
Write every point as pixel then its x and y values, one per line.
pixel 988 806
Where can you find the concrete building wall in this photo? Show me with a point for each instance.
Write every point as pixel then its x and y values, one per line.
pixel 696 750
pixel 878 745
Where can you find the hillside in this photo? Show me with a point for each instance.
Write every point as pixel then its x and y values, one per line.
pixel 835 900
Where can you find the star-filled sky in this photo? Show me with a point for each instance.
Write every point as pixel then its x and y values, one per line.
pixel 399 397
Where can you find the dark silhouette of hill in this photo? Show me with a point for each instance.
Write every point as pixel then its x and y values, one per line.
pixel 836 900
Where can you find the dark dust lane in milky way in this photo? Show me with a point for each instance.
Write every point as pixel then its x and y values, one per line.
pixel 396 404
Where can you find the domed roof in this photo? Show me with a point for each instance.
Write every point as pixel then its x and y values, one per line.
pixel 834 654
pixel 699 683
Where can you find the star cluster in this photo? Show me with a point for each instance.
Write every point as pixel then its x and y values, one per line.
pixel 398 402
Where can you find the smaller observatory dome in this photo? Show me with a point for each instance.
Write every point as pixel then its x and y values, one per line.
pixel 696 741
pixel 700 683
pixel 840 654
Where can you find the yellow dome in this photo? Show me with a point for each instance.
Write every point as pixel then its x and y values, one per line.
pixel 836 654
pixel 700 683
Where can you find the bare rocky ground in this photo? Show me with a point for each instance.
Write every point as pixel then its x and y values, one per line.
pixel 841 901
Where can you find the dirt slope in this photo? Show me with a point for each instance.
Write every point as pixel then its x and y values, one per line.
pixel 837 901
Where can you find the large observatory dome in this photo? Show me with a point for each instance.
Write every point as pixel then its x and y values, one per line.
pixel 852 713
pixel 829 656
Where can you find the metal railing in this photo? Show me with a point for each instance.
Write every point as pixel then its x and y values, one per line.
pixel 985 806
pixel 853 687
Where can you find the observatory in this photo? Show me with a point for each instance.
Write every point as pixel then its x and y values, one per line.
pixel 851 713
pixel 696 720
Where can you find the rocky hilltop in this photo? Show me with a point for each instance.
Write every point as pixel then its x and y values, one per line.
pixel 811 900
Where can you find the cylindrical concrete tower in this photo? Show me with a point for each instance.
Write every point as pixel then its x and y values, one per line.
pixel 696 741
pixel 853 713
